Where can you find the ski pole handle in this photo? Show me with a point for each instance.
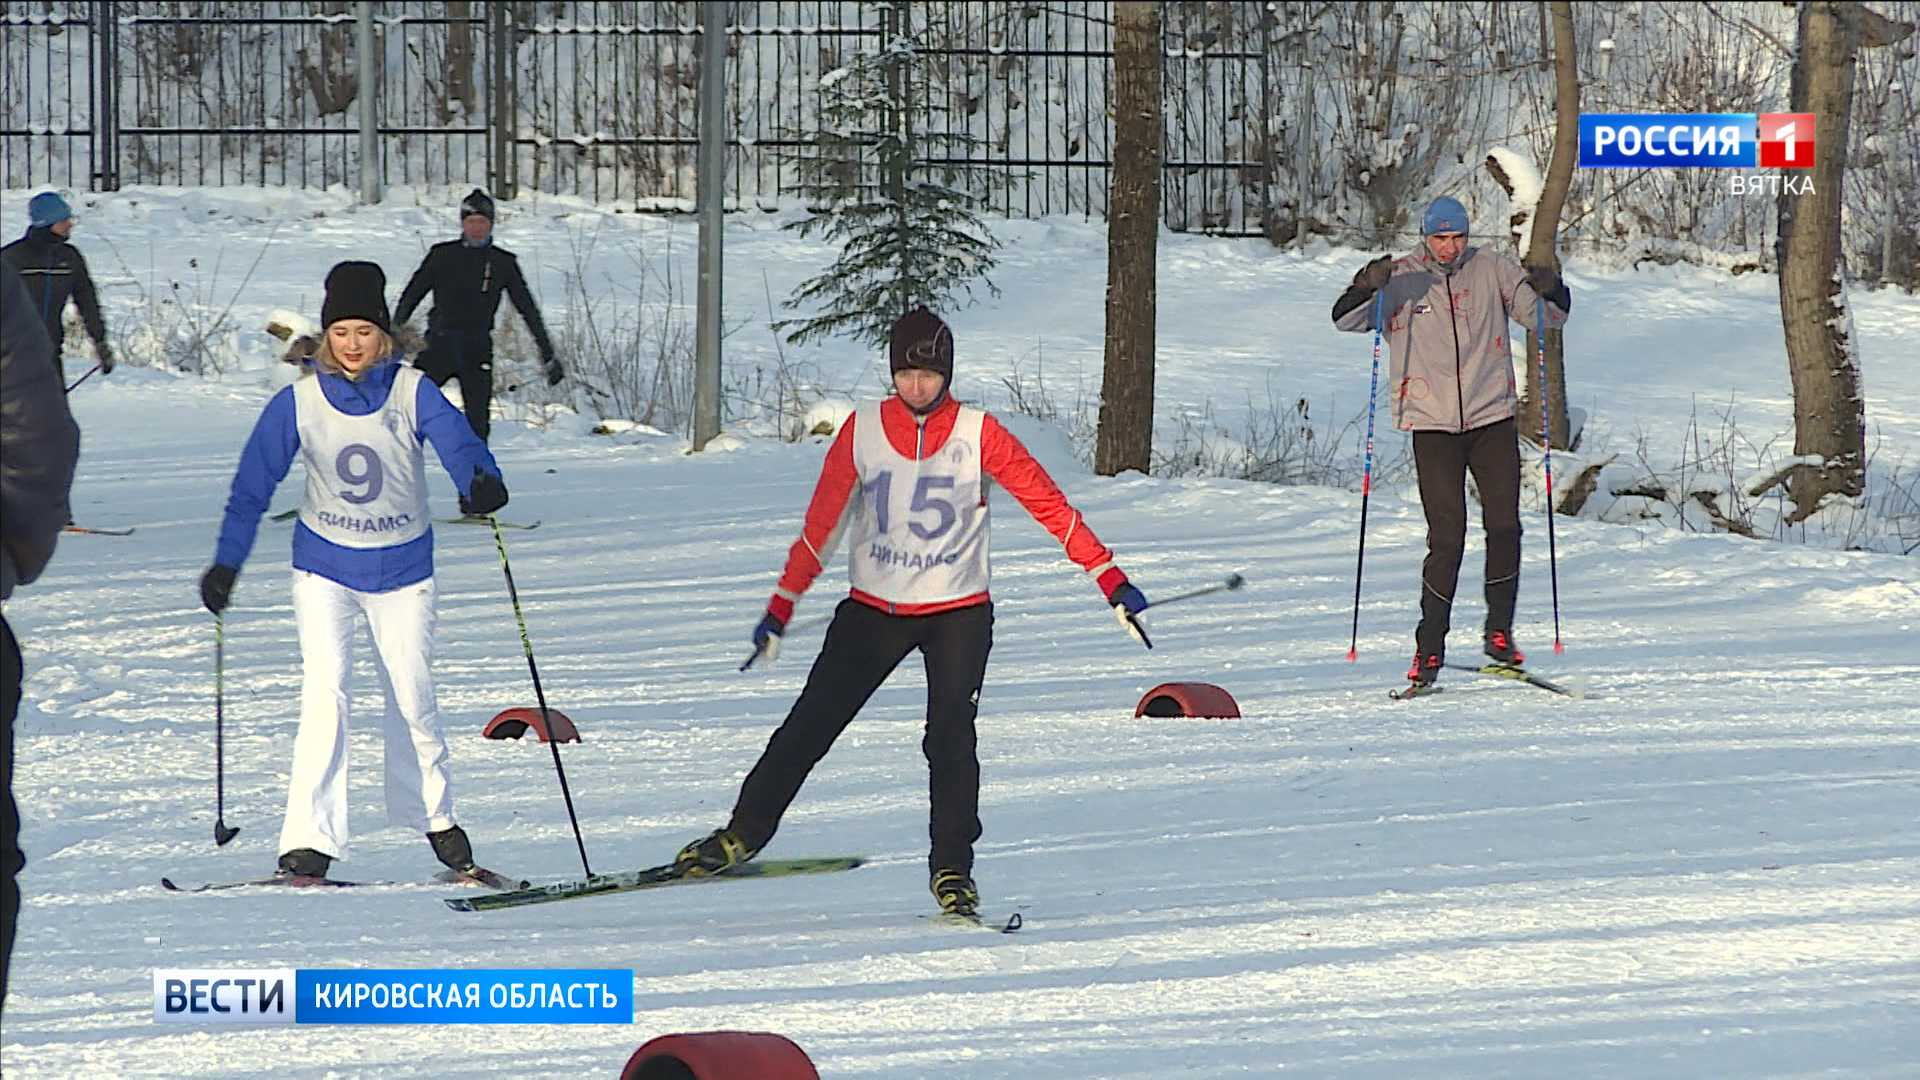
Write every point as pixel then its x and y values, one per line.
pixel 1131 624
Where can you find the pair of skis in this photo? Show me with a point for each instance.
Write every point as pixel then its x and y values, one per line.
pixel 659 877
pixel 1498 671
pixel 478 876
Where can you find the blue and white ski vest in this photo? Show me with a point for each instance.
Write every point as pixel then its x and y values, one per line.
pixel 366 475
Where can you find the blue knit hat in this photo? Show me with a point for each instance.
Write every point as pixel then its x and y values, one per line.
pixel 1445 215
pixel 47 208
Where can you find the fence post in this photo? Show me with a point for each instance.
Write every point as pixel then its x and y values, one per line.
pixel 502 156
pixel 106 97
pixel 369 114
pixel 712 167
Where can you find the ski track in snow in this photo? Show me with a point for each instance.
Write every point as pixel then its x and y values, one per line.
pixel 1708 867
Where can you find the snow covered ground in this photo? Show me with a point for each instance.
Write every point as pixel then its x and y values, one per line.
pixel 1710 866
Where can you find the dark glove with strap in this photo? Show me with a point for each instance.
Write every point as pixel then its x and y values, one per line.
pixel 216 587
pixel 1548 285
pixel 486 494
pixel 766 640
pixel 1127 602
pixel 1371 279
pixel 554 371
pixel 106 357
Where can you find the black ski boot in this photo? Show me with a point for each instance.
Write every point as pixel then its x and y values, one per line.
pixel 453 849
pixel 303 863
pixel 956 892
pixel 1501 651
pixel 716 853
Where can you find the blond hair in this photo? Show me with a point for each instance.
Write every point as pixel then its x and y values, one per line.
pixel 324 360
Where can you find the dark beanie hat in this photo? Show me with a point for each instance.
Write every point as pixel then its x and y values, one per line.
pixel 476 202
pixel 356 290
pixel 919 339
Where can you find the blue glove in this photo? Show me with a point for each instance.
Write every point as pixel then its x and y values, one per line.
pixel 766 640
pixel 1127 596
pixel 1128 602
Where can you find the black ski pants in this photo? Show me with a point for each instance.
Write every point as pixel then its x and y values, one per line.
pixel 469 359
pixel 1442 459
pixel 10 828
pixel 863 646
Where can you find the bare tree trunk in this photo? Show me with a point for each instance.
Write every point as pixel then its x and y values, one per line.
pixel 1829 418
pixel 1125 439
pixel 459 85
pixel 1542 250
pixel 331 77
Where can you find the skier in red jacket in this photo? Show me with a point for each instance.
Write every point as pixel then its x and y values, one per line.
pixel 907 477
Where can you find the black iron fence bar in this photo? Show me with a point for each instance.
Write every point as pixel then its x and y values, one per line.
pixel 1086 54
pixel 327 21
pixel 349 129
pixel 694 31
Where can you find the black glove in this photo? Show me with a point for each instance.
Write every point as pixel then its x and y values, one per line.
pixel 216 587
pixel 554 372
pixel 486 494
pixel 1369 281
pixel 1548 286
pixel 106 358
pixel 1373 276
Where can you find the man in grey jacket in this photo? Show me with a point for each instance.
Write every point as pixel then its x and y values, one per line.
pixel 1446 308
pixel 39 444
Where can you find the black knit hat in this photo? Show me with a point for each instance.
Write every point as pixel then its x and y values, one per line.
pixel 919 339
pixel 476 202
pixel 356 290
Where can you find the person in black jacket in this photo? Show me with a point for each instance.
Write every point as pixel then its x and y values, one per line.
pixel 39 444
pixel 53 270
pixel 467 277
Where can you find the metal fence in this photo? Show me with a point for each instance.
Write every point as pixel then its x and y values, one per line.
pixel 596 98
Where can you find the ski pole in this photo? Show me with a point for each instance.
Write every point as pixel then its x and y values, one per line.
pixel 1366 478
pixel 1233 582
pixel 221 832
pixel 539 694
pixel 1546 458
pixel 84 378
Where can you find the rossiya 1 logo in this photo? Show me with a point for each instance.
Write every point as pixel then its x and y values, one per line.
pixel 1786 140
pixel 1705 141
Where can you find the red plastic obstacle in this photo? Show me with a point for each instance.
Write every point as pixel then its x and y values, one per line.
pixel 720 1055
pixel 515 722
pixel 1187 699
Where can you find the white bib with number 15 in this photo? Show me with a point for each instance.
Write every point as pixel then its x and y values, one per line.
pixel 919 531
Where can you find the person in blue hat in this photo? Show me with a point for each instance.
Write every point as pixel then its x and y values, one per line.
pixel 54 271
pixel 1446 309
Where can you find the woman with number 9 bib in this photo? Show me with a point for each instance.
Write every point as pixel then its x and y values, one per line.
pixel 907 479
pixel 358 421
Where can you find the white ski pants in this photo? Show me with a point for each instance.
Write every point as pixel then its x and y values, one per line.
pixel 419 792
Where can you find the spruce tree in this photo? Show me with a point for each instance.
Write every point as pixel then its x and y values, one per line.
pixel 908 231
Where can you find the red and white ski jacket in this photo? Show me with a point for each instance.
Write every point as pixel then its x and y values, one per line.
pixel 1002 457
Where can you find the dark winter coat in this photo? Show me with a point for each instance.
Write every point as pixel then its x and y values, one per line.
pixel 53 270
pixel 39 442
pixel 467 283
pixel 1448 339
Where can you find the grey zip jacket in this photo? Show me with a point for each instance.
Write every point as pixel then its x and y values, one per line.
pixel 1451 368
